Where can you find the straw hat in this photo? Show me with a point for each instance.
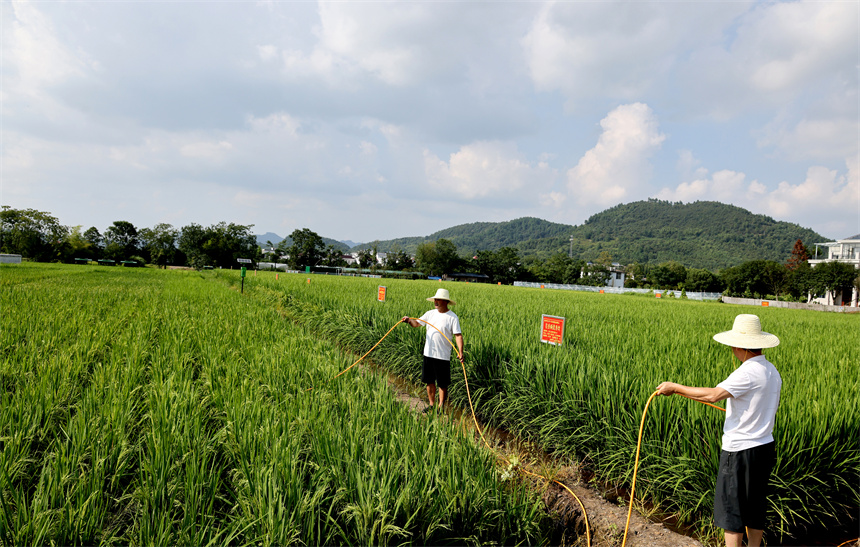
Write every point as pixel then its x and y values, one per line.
pixel 441 294
pixel 746 333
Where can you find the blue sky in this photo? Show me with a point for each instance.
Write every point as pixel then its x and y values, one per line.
pixel 377 120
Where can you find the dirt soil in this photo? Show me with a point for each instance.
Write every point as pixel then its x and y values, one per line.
pixel 606 519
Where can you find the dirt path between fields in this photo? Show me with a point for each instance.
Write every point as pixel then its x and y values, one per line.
pixel 605 518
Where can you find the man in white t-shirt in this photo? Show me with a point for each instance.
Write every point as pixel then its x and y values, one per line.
pixel 436 370
pixel 748 451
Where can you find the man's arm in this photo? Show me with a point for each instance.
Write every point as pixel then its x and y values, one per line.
pixel 458 339
pixel 703 394
pixel 410 322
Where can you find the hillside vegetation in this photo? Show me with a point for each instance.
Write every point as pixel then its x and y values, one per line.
pixel 704 234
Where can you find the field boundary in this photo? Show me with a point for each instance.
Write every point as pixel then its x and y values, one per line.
pixel 789 305
pixel 692 295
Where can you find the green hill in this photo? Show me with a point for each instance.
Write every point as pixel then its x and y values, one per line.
pixel 703 234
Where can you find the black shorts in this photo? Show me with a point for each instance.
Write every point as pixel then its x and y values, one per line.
pixel 436 371
pixel 740 499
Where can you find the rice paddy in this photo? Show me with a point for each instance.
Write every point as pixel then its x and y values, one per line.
pixel 163 407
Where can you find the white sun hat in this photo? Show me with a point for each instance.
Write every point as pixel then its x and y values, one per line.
pixel 441 294
pixel 746 333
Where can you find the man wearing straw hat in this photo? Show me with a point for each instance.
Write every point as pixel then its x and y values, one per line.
pixel 436 370
pixel 748 452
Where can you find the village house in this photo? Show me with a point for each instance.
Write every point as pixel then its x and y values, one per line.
pixel 846 251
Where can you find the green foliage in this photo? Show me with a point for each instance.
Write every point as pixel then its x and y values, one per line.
pixel 121 240
pixel 438 258
pixel 502 266
pixel 307 248
pixel 398 259
pixel 33 234
pixel 669 275
pixel 160 243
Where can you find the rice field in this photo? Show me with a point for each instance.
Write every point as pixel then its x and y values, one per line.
pixel 164 407
pixel 584 399
pixel 149 407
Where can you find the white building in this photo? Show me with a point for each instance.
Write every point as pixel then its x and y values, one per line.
pixel 846 251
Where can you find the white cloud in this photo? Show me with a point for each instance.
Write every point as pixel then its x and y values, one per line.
pixel 618 163
pixel 822 138
pixel 484 169
pixel 793 45
pixel 618 50
pixel 210 150
pixel 725 185
pixel 826 198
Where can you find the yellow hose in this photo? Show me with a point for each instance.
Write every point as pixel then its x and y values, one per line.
pixel 481 433
pixel 472 408
pixel 636 463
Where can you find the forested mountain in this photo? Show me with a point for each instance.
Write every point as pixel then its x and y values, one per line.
pixel 703 234
pixel 483 236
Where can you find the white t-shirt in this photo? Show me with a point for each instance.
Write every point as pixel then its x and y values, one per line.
pixel 751 410
pixel 436 346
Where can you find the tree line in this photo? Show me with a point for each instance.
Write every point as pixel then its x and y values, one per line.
pixel 39 236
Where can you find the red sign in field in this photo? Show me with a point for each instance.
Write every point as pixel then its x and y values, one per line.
pixel 551 329
pixel 380 294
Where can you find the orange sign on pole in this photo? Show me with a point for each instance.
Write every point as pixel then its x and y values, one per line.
pixel 551 329
pixel 658 295
pixel 601 291
pixel 765 304
pixel 380 293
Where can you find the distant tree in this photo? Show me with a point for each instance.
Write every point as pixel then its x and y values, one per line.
pixel 669 275
pixel 777 278
pixel 366 258
pixel 33 234
pixel 446 255
pixel 306 250
pixel 799 255
pixel 756 279
pixel 333 257
pixel 121 240
pixel 596 275
pixel 398 259
pixel 192 240
pixel 96 241
pixel 438 258
pixel 502 266
pixel 637 275
pixel 77 244
pixel 425 257
pixel 702 280
pixel 225 242
pixel 159 243
pixel 559 268
pixel 605 259
pixel 831 277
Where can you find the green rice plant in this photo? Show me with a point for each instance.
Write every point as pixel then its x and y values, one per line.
pixel 157 407
pixel 585 398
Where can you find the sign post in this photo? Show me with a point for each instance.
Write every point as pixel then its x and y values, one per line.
pixel 244 270
pixel 551 329
pixel 380 293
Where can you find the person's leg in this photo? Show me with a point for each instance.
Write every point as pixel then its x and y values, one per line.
pixel 754 537
pixel 431 394
pixel 734 539
pixel 443 396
